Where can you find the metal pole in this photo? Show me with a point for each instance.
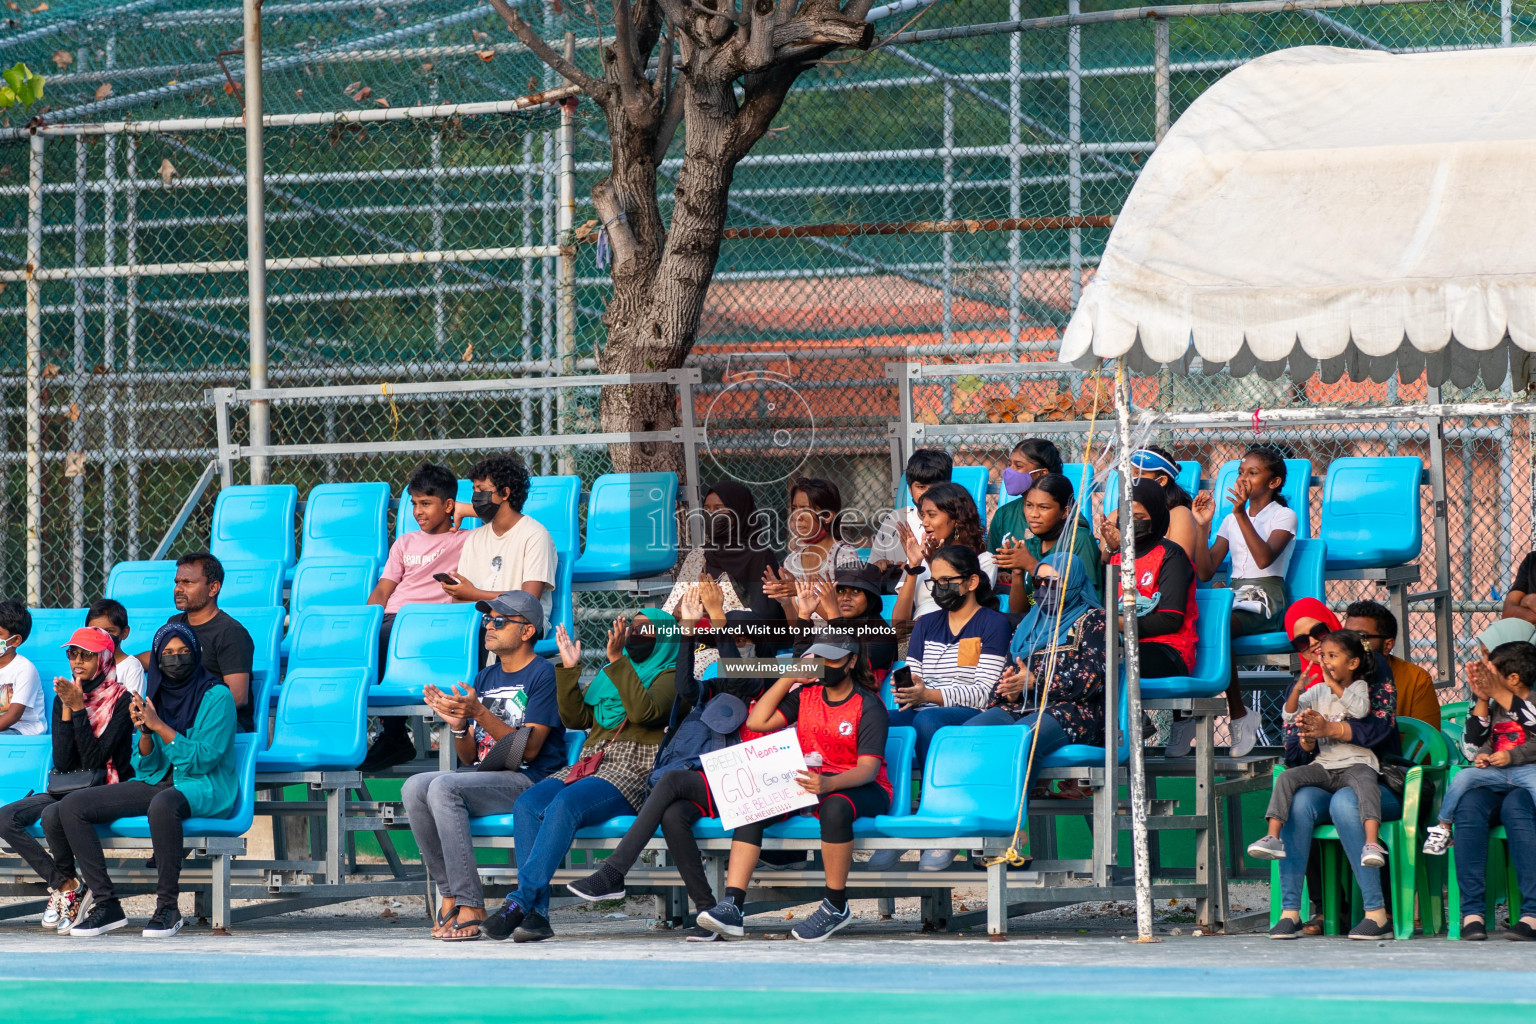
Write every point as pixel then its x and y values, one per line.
pixel 1161 77
pixel 1445 658
pixel 131 335
pixel 565 225
pixel 35 376
pixel 1132 662
pixel 1506 22
pixel 948 320
pixel 1075 148
pixel 108 346
pixel 1015 185
pixel 256 234
pixel 77 389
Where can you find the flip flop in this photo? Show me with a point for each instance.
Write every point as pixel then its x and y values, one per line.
pixel 450 937
pixel 443 919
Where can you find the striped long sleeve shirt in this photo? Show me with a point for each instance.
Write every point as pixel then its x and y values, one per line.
pixel 965 666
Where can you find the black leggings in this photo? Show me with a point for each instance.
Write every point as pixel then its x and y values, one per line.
pixel 82 811
pixel 16 818
pixel 837 812
pixel 679 800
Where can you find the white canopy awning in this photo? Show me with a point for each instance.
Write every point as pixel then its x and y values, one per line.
pixel 1373 211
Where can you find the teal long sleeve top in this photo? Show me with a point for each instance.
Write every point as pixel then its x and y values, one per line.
pixel 203 760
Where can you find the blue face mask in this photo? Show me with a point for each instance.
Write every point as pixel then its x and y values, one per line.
pixel 1015 482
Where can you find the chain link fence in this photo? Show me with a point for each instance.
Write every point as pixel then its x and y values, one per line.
pixel 1032 133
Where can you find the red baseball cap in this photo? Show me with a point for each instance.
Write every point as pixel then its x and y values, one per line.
pixel 91 639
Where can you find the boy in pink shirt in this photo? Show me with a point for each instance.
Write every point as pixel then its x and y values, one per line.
pixel 414 559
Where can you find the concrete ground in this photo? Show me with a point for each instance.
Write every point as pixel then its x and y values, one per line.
pixel 373 960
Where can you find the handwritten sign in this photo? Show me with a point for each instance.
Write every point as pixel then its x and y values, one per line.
pixel 756 780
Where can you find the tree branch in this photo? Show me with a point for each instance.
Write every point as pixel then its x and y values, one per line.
pixel 598 90
pixel 624 57
pixel 671 117
pixel 613 219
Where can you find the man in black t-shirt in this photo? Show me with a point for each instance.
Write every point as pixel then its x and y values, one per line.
pixel 1520 602
pixel 228 651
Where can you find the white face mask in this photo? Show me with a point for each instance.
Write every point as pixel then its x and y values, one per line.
pixel 8 645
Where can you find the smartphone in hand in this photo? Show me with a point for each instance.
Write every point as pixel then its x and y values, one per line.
pixel 445 577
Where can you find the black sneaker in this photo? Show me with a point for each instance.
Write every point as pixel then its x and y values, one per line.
pixel 1474 931
pixel 106 916
pixel 1368 929
pixel 387 752
pixel 166 922
pixel 1518 931
pixel 603 884
pixel 504 922
pixel 1285 928
pixel 698 934
pixel 535 928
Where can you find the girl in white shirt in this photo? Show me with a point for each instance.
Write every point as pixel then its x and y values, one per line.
pixel 949 517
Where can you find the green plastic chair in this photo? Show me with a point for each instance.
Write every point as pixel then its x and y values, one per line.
pixel 1453 725
pixel 1409 876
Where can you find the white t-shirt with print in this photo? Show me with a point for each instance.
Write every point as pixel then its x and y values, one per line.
pixel 19 684
pixel 130 673
pixel 1272 517
pixel 525 553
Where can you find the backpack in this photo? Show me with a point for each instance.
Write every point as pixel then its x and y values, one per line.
pixel 708 727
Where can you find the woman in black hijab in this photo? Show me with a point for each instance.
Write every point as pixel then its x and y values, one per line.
pixel 1165 588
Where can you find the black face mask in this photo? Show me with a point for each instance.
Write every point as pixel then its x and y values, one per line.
pixel 485 505
pixel 949 596
pixel 176 667
pixel 831 676
pixel 1143 534
pixel 721 529
pixel 1047 591
pixel 639 647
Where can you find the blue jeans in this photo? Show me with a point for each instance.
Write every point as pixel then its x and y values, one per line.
pixel 1478 811
pixel 1500 780
pixel 1312 807
pixel 544 823
pixel 928 721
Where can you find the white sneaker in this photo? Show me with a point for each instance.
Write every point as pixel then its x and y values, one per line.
pixel 76 904
pixel 1181 738
pixel 1437 839
pixel 885 860
pixel 935 860
pixel 1244 732
pixel 55 909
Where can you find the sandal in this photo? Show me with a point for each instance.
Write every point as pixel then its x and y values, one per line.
pixel 455 928
pixel 443 919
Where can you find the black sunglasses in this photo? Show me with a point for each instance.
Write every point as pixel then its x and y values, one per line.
pixel 1304 642
pixel 500 621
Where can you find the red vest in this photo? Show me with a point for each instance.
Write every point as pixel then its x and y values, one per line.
pixel 833 732
pixel 1148 567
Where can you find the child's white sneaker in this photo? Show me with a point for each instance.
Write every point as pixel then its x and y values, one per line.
pixel 1437 840
pixel 1373 855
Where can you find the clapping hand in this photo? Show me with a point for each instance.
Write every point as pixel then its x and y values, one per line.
pixel 618 636
pixel 1204 509
pixel 1109 533
pixel 778 585
pixel 713 599
pixel 1010 685
pixel 443 706
pixel 70 693
pixel 570 650
pixel 1238 496
pixel 917 551
pixel 808 596
pixel 690 609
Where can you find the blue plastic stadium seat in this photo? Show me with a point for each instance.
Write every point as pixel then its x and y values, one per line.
pixel 329 581
pixel 142 584
pixel 322 712
pixel 900 748
pixel 44 646
pixel 631 527
pixel 144 623
pixel 975 479
pixel 1189 479
pixel 24 764
pixel 405 519
pixel 1297 493
pixel 255 522
pixel 1213 652
pixel 972 785
pixel 429 643
pixel 555 502
pixel 252 583
pixel 1370 515
pixel 1303 578
pixel 239 820
pixel 1086 755
pixel 501 824
pixel 266 628
pixel 346 520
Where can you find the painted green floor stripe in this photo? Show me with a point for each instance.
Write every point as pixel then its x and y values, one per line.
pixel 183 1003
